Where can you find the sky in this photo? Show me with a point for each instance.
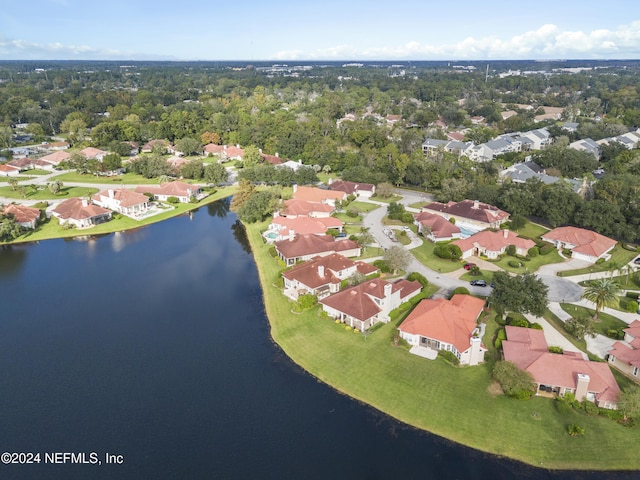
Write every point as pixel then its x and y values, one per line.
pixel 287 30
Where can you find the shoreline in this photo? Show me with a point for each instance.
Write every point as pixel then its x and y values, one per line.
pixel 485 430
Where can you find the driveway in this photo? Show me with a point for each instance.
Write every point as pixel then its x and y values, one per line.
pixel 561 289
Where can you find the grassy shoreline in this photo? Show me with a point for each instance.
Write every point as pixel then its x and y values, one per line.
pixel 455 403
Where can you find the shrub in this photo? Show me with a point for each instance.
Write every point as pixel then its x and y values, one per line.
pixel 407 217
pixel 279 282
pixel 500 320
pixel 353 213
pixel 382 265
pixel 546 249
pixel 413 276
pixel 307 300
pixel 515 264
pixel 515 383
pixel 41 205
pixel 533 252
pixel 173 200
pixel 511 250
pixel 536 326
pixel 633 295
pixel 563 407
pixel 501 335
pixel 553 349
pixel 272 251
pixel 616 334
pixel 590 408
pixel 518 322
pixel 447 251
pixel 576 430
pixel 475 271
pixel 449 357
pixel 599 261
pixel 632 306
pixel 460 290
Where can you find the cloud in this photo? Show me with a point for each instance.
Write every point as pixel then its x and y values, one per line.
pixel 24 50
pixel 546 42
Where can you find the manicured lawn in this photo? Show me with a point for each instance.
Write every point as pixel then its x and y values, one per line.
pixel 425 255
pixel 484 275
pixel 124 179
pixel 558 324
pixel 393 198
pixel 532 265
pixel 344 218
pixel 44 194
pixel 619 257
pixel 605 321
pixel 19 178
pixel 38 171
pixel 456 403
pixel 363 207
pixel 51 229
pixel 532 230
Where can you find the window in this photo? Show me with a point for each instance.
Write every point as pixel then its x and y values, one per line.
pixel 635 371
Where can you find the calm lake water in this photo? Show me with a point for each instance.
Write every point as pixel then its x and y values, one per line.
pixel 153 344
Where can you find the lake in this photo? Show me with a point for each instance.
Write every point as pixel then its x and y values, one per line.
pixel 152 346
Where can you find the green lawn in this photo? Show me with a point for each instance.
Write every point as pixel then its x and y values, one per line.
pixel 19 178
pixel 363 207
pixel 532 265
pixel 456 403
pixel 44 194
pixel 125 179
pixel 51 228
pixel 619 257
pixel 393 198
pixel 484 275
pixel 532 230
pixel 605 321
pixel 38 171
pixel 425 255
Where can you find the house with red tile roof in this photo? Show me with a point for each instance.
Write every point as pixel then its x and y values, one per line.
pixel 493 244
pixel 370 302
pixel 176 162
pixel 53 146
pixel 300 248
pixel 80 213
pixel 123 201
pixel 364 190
pixel 25 216
pixel 318 195
pixel 26 163
pixel 450 325
pixel 272 159
pixel 435 227
pixel 625 355
pixel 224 152
pixel 559 374
pixel 182 191
pixel 321 276
pixel 94 153
pixel 282 228
pixel 54 159
pixel 163 145
pixel 584 244
pixel 302 208
pixel 8 170
pixel 469 213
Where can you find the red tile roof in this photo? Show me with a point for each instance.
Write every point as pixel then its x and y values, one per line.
pixel 78 209
pixel 8 168
pixel 494 241
pixel 91 152
pixel 22 213
pixel 272 159
pixel 350 187
pixel 587 242
pixel 626 353
pixel 56 157
pixel 439 226
pixel 127 198
pixel 175 189
pixel 473 210
pixel 308 273
pixel 303 207
pixel 529 351
pixel 450 321
pixel 305 225
pixel 305 245
pixel 313 194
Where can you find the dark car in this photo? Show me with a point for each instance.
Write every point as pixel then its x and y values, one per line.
pixel 637 261
pixel 479 283
pixel 468 266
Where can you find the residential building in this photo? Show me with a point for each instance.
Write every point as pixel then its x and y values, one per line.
pixel 364 190
pixel 449 325
pixel 584 244
pixel 625 355
pixel 123 201
pixel 370 302
pixel 586 145
pixel 300 248
pixel 469 213
pixel 25 216
pixel 435 227
pixel 282 228
pixel 321 276
pixel 319 195
pixel 80 213
pixel 184 192
pixel 492 244
pixel 56 158
pixel 298 208
pixel 559 374
pixel 8 170
pixel 159 144
pixel 94 153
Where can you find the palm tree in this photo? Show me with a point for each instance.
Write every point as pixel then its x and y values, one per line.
pixel 602 292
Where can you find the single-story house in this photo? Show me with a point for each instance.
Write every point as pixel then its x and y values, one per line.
pixel 53 146
pixel 302 208
pixel 364 190
pixel 80 213
pixel 559 374
pixel 182 191
pixel 493 244
pixel 370 302
pixel 625 355
pixel 300 248
pixel 25 216
pixel 161 144
pixel 9 171
pixel 471 213
pixel 321 276
pixel 224 152
pixel 122 201
pixel 587 145
pixel 584 244
pixel 450 325
pixel 435 228
pixel 57 157
pixel 94 153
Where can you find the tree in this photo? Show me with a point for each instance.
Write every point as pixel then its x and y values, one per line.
pixel 13 182
pixel 629 402
pixel 188 146
pixel 258 206
pixel 111 162
pixel 365 238
pixel 524 293
pixel 397 258
pixel 10 229
pixel 54 187
pixel 515 383
pixel 210 137
pixel 602 292
pixel 193 169
pixel 244 192
pixel 385 190
pixel 251 156
pixel 215 174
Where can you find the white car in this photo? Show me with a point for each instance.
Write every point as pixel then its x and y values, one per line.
pixel 406 229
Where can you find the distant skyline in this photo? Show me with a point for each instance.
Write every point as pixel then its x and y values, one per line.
pixel 284 30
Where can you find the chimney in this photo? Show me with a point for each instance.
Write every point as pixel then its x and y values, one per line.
pixel 582 386
pixel 292 235
pixel 277 154
pixel 505 232
pixel 387 290
pixel 110 191
pixel 85 203
pixel 295 188
pixel 476 204
pixel 320 270
pixel 330 181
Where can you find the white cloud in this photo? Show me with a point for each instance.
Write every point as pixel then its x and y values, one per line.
pixel 545 42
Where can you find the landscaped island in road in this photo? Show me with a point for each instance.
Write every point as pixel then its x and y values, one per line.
pixel 456 403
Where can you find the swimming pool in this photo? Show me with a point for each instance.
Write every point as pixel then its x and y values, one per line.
pixel 466 232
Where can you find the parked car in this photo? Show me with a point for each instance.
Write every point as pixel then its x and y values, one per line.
pixel 406 229
pixel 479 283
pixel 637 261
pixel 341 235
pixel 468 266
